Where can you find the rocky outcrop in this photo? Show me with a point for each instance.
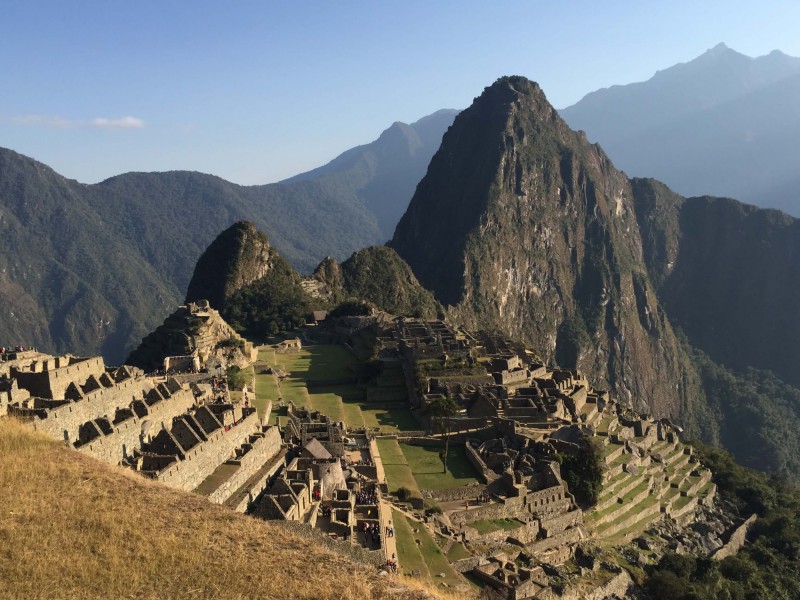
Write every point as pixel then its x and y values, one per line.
pixel 524 226
pixel 728 275
pixel 195 330
pixel 238 256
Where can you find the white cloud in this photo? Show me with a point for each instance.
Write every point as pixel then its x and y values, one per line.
pixel 58 122
pixel 122 123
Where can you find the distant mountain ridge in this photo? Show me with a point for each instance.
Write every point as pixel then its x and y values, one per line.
pixel 384 173
pixel 92 268
pixel 723 124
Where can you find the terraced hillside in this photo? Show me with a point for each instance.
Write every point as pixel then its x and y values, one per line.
pixel 648 476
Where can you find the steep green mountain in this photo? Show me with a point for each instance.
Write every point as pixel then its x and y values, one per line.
pixel 685 305
pixel 728 274
pixel 723 124
pixel 260 294
pixel 377 275
pixel 522 225
pixel 384 173
pixel 67 282
pixel 251 285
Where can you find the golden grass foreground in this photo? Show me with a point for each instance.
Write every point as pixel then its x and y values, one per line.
pixel 73 527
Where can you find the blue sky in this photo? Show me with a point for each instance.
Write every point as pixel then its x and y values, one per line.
pixel 258 91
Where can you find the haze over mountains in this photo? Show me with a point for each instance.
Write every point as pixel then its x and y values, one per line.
pixel 724 124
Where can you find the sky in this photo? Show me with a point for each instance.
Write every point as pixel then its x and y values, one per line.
pixel 256 92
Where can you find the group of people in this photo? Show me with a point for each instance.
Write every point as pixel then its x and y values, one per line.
pixel 483 498
pixel 364 462
pixel 391 563
pixel 369 497
pixel 371 530
pixel 327 510
pixel 3 349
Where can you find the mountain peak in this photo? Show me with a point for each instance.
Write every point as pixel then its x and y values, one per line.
pixel 238 256
pixel 719 49
pixel 515 209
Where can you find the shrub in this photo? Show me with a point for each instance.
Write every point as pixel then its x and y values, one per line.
pixel 237 378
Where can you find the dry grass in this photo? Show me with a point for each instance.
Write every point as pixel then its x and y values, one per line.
pixel 71 527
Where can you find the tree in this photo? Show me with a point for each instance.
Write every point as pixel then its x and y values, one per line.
pixel 442 410
pixel 583 471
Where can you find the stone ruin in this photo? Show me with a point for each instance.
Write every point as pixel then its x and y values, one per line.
pixel 189 436
pixel 331 483
pixel 194 337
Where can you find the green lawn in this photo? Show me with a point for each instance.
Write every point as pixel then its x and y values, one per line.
pixel 391 418
pixel 408 553
pixel 425 557
pixel 426 467
pixel 396 467
pixel 485 526
pixel 457 552
pixel 266 389
pixel 341 401
pixel 319 362
pixel 329 404
pixel 434 557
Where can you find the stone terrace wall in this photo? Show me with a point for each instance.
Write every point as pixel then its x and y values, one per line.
pixel 126 437
pixel 264 448
pixel 512 508
pixel 486 473
pixel 63 422
pixel 467 492
pixel 53 383
pixel 736 541
pixel 241 500
pixel 201 460
pixel 524 534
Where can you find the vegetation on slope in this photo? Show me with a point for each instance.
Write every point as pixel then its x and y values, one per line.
pixel 768 567
pixel 276 302
pixel 583 471
pixel 378 275
pixel 72 527
pixel 757 416
pixel 67 282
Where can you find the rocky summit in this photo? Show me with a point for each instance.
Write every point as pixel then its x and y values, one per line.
pixel 522 225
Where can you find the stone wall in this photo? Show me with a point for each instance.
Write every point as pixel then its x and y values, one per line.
pixel 244 498
pixel 736 541
pixel 553 525
pixel 510 508
pixel 633 518
pixel 525 533
pixel 264 447
pixel 127 435
pixel 205 457
pixel 467 492
pixel 485 472
pixel 63 422
pixel 54 382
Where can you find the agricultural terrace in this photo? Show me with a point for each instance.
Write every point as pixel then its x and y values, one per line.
pixel 322 377
pixel 419 468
